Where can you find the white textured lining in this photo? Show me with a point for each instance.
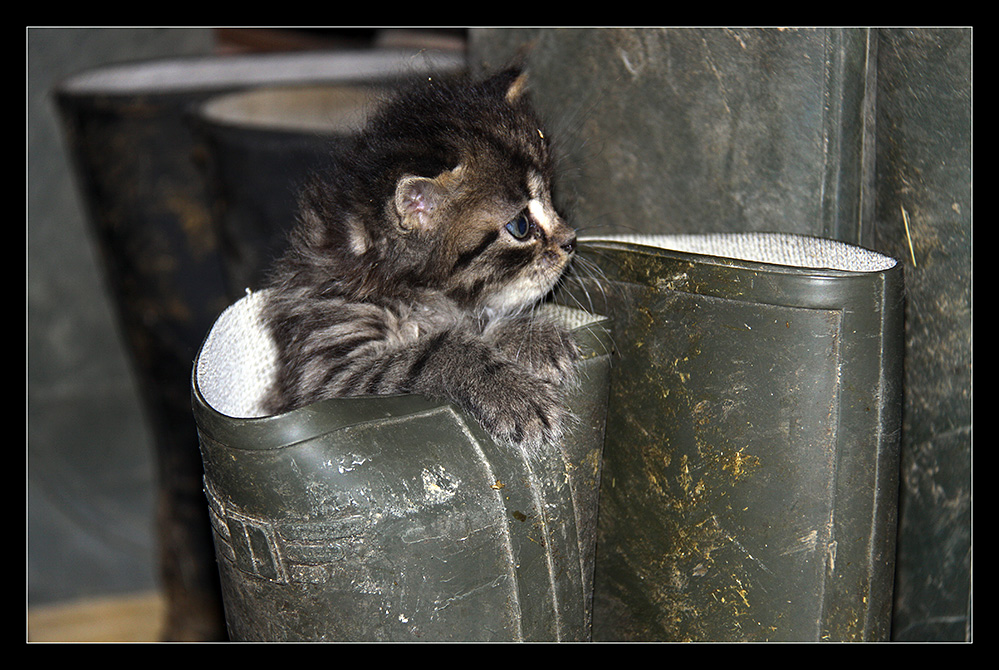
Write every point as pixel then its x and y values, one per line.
pixel 773 248
pixel 238 360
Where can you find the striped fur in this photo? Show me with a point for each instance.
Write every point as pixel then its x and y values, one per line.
pixel 417 260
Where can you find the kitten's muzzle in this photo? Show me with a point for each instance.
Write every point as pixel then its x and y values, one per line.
pixel 569 246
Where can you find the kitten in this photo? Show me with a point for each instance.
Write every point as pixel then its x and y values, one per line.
pixel 417 259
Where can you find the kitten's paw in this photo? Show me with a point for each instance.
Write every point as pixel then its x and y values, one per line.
pixel 528 412
pixel 548 350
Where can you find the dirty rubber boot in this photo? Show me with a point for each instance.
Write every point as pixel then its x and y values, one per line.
pixel 751 464
pixel 393 518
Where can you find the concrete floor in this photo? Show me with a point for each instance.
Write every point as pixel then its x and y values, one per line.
pixel 133 618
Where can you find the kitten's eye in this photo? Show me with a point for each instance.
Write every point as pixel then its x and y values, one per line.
pixel 520 227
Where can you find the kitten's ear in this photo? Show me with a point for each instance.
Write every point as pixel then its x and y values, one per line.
pixel 515 91
pixel 417 199
pixel 510 83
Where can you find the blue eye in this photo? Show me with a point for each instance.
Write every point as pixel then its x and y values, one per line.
pixel 520 227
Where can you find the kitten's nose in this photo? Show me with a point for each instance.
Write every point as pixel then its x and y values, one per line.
pixel 570 245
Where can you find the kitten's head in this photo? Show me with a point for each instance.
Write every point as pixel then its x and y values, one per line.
pixel 452 186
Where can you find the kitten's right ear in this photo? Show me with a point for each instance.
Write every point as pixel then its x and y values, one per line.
pixel 417 199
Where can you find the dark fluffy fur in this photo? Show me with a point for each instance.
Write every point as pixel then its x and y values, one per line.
pixel 418 257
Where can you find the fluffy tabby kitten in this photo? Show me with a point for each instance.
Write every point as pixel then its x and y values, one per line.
pixel 417 259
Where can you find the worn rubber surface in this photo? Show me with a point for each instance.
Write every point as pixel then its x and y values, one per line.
pixel 751 464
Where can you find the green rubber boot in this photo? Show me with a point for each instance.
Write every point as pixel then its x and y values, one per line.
pixel 396 517
pixel 751 465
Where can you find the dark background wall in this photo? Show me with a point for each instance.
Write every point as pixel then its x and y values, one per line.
pixel 925 177
pixel 692 130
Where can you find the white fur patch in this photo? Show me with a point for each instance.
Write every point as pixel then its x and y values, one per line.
pixel 540 215
pixel 359 242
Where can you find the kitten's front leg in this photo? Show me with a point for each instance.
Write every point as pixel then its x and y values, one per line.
pixel 545 348
pixel 511 403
